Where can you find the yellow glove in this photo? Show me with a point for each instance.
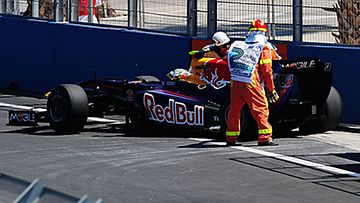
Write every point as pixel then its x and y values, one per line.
pixel 194 52
pixel 273 96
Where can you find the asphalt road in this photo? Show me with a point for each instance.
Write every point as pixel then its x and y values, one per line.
pixel 107 164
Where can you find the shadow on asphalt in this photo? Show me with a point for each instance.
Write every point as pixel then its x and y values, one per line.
pixel 344 158
pixel 157 133
pixel 38 130
pixel 348 129
pixel 105 131
pixel 343 183
pixel 203 144
pixel 120 131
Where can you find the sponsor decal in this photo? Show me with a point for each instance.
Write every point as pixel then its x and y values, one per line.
pixel 283 80
pixel 212 78
pixel 302 64
pixel 22 118
pixel 175 112
pixel 305 64
pixel 130 95
pixel 327 67
pixel 216 73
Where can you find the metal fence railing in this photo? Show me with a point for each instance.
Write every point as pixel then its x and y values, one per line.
pixel 289 20
pixel 236 16
pixel 318 23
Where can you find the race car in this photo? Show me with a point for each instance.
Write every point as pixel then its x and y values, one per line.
pixel 307 100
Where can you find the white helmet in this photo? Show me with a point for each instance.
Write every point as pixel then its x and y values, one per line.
pixel 220 38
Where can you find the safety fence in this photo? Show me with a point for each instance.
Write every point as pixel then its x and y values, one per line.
pixel 316 23
pixel 288 20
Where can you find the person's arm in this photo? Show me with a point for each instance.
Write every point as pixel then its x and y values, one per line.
pixel 274 54
pixel 267 73
pixel 265 68
pixel 97 5
pixel 97 14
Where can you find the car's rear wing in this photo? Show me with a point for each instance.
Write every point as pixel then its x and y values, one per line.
pixel 309 79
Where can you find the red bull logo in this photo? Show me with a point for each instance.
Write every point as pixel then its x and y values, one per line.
pixel 216 73
pixel 283 82
pixel 175 112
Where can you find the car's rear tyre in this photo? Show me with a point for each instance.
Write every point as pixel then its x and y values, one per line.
pixel 248 126
pixel 332 111
pixel 67 109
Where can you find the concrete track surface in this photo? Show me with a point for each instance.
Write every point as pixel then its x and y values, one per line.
pixel 106 163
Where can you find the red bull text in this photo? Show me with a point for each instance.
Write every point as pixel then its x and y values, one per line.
pixel 175 112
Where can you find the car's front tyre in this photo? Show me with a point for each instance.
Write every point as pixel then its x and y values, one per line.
pixel 67 109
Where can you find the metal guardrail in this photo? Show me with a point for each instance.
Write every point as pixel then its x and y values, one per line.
pixel 16 190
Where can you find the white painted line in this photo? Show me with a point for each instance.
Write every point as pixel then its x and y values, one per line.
pixel 351 126
pixel 321 167
pixel 93 119
pixel 22 107
pixel 104 120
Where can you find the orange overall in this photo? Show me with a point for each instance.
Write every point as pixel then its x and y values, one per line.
pixel 253 95
pixel 199 64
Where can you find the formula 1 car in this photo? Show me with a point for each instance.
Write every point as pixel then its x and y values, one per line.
pixel 307 100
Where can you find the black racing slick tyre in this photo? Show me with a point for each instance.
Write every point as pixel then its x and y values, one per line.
pixel 67 109
pixel 332 111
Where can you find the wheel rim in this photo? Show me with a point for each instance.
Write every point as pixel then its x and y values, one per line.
pixel 57 108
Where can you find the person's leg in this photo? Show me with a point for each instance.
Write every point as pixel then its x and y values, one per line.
pixel 233 119
pixel 260 112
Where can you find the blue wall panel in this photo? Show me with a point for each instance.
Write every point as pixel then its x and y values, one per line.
pixel 39 54
pixel 26 48
pixel 346 72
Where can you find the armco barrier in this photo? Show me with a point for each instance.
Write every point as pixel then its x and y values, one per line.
pixel 38 54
